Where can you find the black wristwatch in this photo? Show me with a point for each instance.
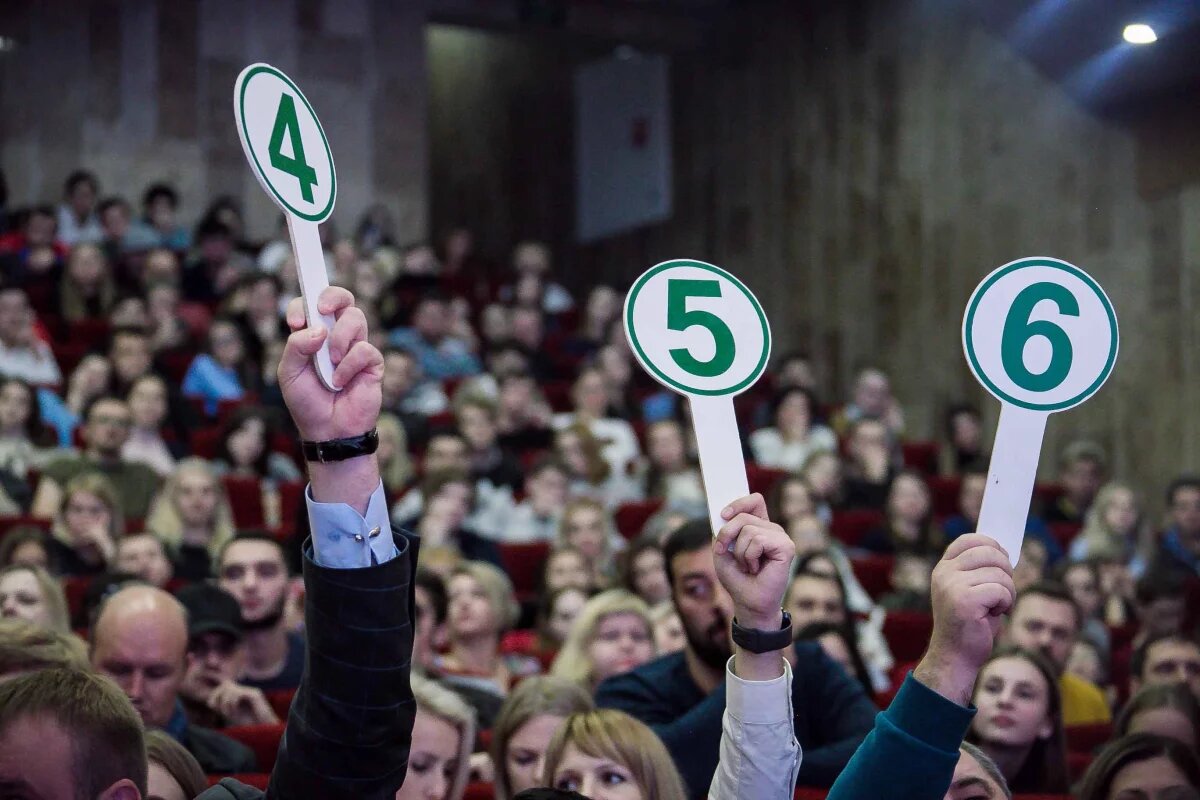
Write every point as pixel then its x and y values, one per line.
pixel 341 449
pixel 756 641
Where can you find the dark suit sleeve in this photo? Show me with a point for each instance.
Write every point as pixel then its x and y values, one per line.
pixel 833 715
pixel 349 728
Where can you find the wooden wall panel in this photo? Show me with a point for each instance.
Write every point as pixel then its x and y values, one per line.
pixel 867 163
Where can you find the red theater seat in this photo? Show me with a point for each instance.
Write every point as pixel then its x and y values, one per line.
pixel 524 563
pixel 262 739
pixel 631 517
pixel 281 701
pixel 944 491
pixel 848 527
pixel 761 479
pixel 1088 738
pixel 874 573
pixel 245 498
pixel 907 633
pixel 921 456
pixel 7 523
pixel 1064 532
pixel 479 791
pixel 258 780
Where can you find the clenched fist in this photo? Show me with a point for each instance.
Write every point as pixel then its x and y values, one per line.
pixel 753 558
pixel 971 588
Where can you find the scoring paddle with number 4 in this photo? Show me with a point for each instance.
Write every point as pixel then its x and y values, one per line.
pixel 1041 336
pixel 698 330
pixel 289 154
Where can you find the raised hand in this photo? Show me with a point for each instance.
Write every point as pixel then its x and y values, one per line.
pixel 753 557
pixel 358 369
pixel 241 705
pixel 971 588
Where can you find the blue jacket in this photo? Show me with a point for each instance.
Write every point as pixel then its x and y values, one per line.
pixel 913 748
pixel 832 714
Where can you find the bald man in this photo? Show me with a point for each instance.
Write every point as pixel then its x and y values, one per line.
pixel 140 641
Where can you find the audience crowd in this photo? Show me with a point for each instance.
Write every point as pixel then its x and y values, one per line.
pixel 571 630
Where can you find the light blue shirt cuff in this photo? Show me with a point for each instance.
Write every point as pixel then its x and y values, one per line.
pixel 344 539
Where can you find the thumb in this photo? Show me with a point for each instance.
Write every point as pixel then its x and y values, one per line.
pixel 301 346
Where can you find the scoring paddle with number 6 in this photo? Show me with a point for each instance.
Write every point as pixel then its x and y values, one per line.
pixel 1041 335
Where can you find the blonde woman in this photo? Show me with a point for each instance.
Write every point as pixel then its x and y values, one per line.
pixel 613 634
pixel 588 527
pixel 443 736
pixel 524 727
pixel 87 289
pixel 32 594
pixel 609 755
pixel 395 465
pixel 192 515
pixel 84 533
pixel 482 607
pixel 1114 529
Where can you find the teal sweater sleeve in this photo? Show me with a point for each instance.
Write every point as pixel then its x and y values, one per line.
pixel 912 750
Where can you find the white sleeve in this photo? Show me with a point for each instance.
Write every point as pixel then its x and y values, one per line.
pixel 760 757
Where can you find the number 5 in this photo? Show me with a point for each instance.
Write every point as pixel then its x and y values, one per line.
pixel 1019 329
pixel 680 319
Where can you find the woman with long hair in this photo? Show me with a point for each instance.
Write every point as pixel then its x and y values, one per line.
pixel 643 570
pixel 223 371
pixel 613 634
pixel 1142 765
pixel 590 474
pixel 609 755
pixel 192 515
pixel 174 773
pixel 1019 721
pixel 1115 528
pixel 244 448
pixel 32 594
pixel 526 723
pixel 25 443
pixel 84 533
pixel 87 289
pixel 672 474
pixel 148 408
pixel 1169 710
pixel 587 526
pixel 443 735
pixel 909 511
pixel 793 437
pixel 837 640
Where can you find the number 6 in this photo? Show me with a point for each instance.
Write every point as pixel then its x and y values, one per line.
pixel 1019 329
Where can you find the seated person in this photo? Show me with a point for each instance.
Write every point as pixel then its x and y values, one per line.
pixel 682 696
pixel 139 640
pixel 869 465
pixel 443 735
pixel 909 512
pixel 1018 721
pixel 476 416
pixel 528 719
pixel 1178 550
pixel 1083 467
pixel 642 571
pixel 83 534
pixel 193 516
pixel 839 644
pixel 22 354
pixel 589 528
pixel 1165 710
pixel 964 445
pixel 144 555
pixel 252 567
pixel 1170 658
pixel 1046 620
pixel 872 399
pixel 482 608
pixel 244 448
pixel 1142 765
pixel 793 436
pixel 172 772
pixel 672 473
pixel 537 518
pixel 32 594
pixel 612 635
pixel 443 521
pixel 106 429
pixel 1115 529
pixel 211 693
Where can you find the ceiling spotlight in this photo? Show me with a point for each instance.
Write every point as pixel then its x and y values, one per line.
pixel 1140 33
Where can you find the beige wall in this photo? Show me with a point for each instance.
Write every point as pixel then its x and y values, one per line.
pixel 863 170
pixel 141 90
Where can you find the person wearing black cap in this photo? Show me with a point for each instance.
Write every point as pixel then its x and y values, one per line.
pixel 210 690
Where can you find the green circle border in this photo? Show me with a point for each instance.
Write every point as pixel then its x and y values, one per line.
pixel 759 368
pixel 324 213
pixel 969 345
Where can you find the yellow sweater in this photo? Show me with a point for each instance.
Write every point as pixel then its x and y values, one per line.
pixel 1082 701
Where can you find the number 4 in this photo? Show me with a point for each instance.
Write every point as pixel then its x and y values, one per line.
pixel 287 124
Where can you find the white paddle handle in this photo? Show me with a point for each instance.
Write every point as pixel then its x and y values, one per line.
pixel 721 461
pixel 1011 476
pixel 310 265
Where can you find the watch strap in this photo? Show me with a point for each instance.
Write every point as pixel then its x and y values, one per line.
pixel 341 449
pixel 759 641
